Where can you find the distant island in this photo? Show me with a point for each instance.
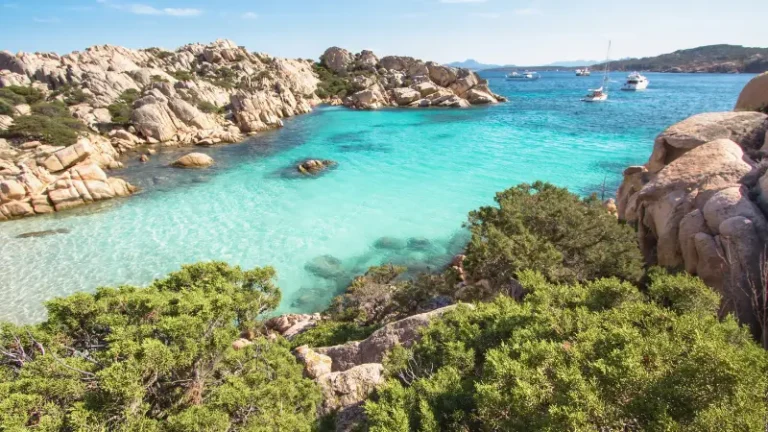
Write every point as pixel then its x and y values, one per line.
pixel 705 59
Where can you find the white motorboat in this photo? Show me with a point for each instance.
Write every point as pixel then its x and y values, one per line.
pixel 635 82
pixel 583 72
pixel 596 95
pixel 524 76
pixel 600 94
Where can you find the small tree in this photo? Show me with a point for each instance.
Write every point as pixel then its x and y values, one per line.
pixel 550 230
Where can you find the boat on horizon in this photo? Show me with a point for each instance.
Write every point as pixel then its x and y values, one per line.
pixel 524 76
pixel 583 72
pixel 600 94
pixel 635 82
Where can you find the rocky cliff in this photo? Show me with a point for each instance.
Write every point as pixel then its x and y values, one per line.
pixel 373 82
pixel 700 204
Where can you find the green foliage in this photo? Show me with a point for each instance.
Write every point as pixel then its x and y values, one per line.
pixel 51 109
pixel 329 333
pixel 182 75
pixel 209 108
pixel 156 359
pixel 331 84
pixel 550 230
pixel 21 95
pixel 682 293
pixel 61 131
pixel 158 79
pixel 122 109
pixel 162 55
pixel 6 108
pixel 580 357
pixel 71 95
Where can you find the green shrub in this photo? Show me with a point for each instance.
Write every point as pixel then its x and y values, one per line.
pixel 20 95
pixel 51 109
pixel 580 357
pixel 122 109
pixel 157 359
pixel 331 84
pixel 158 79
pixel 208 107
pixel 162 55
pixel 550 230
pixel 182 75
pixel 61 131
pixel 71 95
pixel 6 108
pixel 329 333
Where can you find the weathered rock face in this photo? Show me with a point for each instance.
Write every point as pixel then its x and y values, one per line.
pixel 29 191
pixel 746 128
pixel 337 59
pixel 754 97
pixel 193 160
pixel 697 204
pixel 406 81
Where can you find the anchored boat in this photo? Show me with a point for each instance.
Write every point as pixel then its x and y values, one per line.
pixel 600 94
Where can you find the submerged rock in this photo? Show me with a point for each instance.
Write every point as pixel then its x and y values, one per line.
pixel 390 243
pixel 46 233
pixel 314 166
pixel 193 160
pixel 325 266
pixel 419 244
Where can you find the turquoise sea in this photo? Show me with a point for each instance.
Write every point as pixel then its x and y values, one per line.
pixel 409 176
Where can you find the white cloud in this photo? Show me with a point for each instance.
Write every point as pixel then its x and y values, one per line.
pixel 527 11
pixel 250 15
pixel 486 15
pixel 463 1
pixel 46 20
pixel 143 9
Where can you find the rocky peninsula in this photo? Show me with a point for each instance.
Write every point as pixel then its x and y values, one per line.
pixel 701 202
pixel 66 121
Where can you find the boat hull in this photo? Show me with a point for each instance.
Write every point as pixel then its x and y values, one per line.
pixel 590 99
pixel 635 87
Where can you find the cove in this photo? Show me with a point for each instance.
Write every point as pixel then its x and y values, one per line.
pixel 404 184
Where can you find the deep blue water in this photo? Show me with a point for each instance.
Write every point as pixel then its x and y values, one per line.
pixel 404 174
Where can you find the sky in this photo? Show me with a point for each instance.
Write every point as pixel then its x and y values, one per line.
pixel 521 32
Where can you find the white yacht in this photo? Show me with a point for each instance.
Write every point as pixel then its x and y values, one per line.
pixel 583 72
pixel 524 76
pixel 600 94
pixel 635 82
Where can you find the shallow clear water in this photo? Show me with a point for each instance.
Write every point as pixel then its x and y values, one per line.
pixel 402 174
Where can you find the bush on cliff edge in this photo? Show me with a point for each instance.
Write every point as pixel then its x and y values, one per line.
pixel 156 359
pixel 580 357
pixel 548 229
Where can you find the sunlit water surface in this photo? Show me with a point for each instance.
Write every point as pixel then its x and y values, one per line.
pixel 408 176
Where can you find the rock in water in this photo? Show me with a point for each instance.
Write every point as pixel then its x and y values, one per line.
pixel 45 233
pixel 325 266
pixel 193 160
pixel 390 243
pixel 419 244
pixel 314 166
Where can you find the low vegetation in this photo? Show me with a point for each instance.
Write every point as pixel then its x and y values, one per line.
pixel 17 95
pixel 548 229
pixel 122 109
pixel 331 84
pixel 156 359
pixel 49 122
pixel 587 356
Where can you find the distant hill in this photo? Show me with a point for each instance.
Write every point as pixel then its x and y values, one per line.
pixel 711 58
pixel 474 65
pixel 572 63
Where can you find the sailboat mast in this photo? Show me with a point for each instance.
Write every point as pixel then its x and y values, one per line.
pixel 607 64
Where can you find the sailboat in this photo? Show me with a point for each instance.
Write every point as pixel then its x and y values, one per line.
pixel 600 94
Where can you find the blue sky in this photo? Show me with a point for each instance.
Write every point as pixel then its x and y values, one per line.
pixel 522 32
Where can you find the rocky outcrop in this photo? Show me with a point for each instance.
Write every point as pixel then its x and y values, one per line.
pixel 754 96
pixel 697 204
pixel 406 82
pixel 193 160
pixel 291 325
pixel 314 166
